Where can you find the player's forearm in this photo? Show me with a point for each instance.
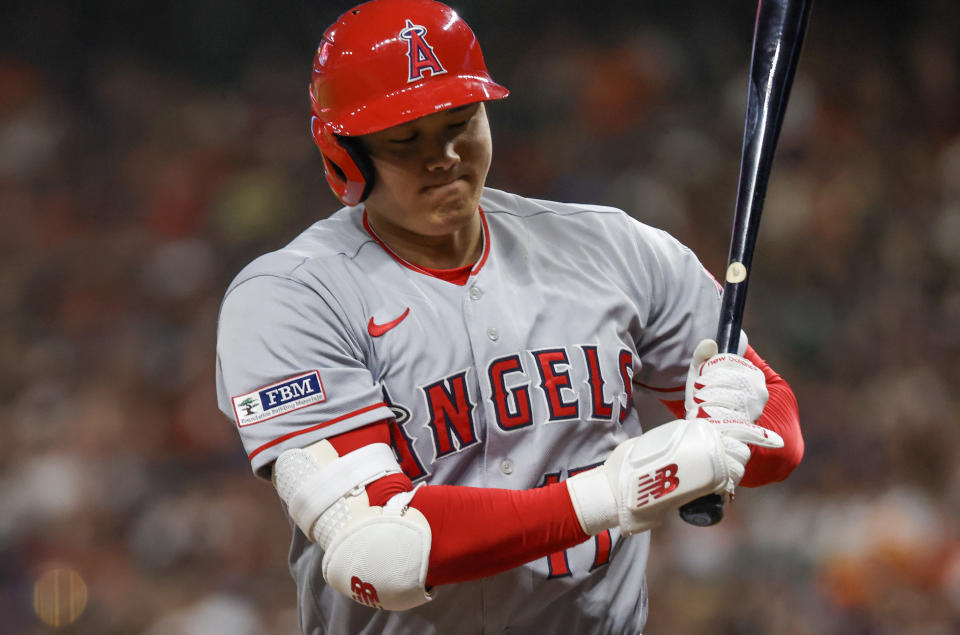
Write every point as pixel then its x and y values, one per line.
pixel 478 532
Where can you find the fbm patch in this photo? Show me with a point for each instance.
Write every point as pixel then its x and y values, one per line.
pixel 279 398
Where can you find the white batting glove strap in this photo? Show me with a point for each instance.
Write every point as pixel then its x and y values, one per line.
pixel 724 386
pixel 593 500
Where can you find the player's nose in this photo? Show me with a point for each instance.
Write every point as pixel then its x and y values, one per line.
pixel 442 155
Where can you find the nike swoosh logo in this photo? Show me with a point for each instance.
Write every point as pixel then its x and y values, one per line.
pixel 377 330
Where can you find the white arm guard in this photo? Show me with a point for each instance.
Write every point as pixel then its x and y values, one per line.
pixel 375 555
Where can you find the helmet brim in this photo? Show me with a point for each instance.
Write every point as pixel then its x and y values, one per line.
pixel 411 102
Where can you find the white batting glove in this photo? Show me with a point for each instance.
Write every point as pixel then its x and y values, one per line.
pixel 648 476
pixel 724 386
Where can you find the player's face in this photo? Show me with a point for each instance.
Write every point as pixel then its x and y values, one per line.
pixel 430 172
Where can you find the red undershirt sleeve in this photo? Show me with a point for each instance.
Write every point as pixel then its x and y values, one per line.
pixel 781 414
pixel 476 532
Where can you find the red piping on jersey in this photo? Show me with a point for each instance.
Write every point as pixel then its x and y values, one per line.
pixel 486 244
pixel 433 272
pixel 319 426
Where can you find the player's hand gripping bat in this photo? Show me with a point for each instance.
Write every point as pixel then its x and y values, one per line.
pixel 777 39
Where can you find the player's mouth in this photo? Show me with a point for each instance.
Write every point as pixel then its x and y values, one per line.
pixel 446 184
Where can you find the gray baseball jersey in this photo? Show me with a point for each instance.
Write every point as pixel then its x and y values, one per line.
pixel 520 378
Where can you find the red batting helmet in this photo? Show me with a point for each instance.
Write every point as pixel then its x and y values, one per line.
pixel 384 63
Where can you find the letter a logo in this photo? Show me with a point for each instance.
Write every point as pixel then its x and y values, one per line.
pixel 421 55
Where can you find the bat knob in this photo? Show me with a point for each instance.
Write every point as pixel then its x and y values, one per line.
pixel 703 512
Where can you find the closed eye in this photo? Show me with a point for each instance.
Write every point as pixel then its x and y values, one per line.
pixel 406 139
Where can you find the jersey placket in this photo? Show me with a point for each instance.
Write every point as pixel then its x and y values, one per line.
pixel 491 336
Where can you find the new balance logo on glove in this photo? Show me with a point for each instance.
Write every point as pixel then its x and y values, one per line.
pixel 364 592
pixel 658 484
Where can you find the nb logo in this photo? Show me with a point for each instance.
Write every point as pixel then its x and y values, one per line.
pixel 657 485
pixel 420 53
pixel 364 592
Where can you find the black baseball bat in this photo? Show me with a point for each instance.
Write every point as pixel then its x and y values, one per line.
pixel 777 40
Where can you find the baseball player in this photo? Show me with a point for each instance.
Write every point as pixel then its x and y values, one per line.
pixel 438 378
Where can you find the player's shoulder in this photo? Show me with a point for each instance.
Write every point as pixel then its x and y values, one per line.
pixel 323 244
pixel 581 218
pixel 499 202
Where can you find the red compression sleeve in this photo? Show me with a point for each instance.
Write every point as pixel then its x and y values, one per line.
pixel 476 532
pixel 781 415
pixel 479 532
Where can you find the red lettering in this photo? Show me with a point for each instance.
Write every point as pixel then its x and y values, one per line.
pixel 515 415
pixel 602 541
pixel 604 547
pixel 451 414
pixel 558 565
pixel 403 447
pixel 626 374
pixel 553 381
pixel 601 409
pixel 402 444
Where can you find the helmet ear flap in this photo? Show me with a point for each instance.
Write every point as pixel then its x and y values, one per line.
pixel 348 169
pixel 362 160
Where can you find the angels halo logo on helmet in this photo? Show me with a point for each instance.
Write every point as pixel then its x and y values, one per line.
pixel 378 66
pixel 420 53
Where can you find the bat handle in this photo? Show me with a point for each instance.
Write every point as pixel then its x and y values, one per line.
pixel 704 511
pixel 708 510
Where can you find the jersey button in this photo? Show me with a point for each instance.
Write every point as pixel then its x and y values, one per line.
pixel 506 466
pixel 493 333
pixel 475 293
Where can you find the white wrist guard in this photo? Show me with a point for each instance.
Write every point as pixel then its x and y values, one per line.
pixel 377 556
pixel 593 500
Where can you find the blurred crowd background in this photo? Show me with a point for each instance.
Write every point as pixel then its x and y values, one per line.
pixel 149 150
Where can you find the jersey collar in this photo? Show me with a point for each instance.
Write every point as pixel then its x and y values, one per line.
pixel 435 273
